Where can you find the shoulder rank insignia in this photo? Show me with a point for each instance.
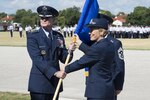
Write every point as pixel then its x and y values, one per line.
pixel 120 53
pixel 35 31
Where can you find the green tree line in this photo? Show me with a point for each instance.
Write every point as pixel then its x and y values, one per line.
pixel 140 16
pixel 70 16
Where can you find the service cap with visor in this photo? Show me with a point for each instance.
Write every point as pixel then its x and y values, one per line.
pixel 98 23
pixel 47 11
pixel 109 19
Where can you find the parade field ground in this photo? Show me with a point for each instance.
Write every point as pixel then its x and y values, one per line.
pixel 128 44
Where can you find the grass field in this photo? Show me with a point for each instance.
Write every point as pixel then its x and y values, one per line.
pixel 128 44
pixel 13 96
pixel 136 44
pixel 6 40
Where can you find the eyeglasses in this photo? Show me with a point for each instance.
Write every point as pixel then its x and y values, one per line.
pixel 46 18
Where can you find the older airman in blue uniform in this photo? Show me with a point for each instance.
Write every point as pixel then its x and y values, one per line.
pixel 46 48
pixel 99 58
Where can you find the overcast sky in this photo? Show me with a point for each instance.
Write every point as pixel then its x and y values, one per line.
pixel 114 6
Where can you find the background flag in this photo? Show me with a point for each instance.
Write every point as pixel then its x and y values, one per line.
pixel 90 10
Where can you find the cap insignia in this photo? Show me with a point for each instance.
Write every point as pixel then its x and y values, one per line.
pixel 92 22
pixel 44 8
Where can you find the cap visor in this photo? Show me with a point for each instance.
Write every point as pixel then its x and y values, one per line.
pixel 91 26
pixel 45 15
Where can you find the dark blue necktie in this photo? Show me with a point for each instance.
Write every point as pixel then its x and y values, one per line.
pixel 50 35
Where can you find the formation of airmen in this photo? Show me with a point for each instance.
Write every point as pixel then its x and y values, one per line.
pixel 11 29
pixel 68 31
pixel 130 31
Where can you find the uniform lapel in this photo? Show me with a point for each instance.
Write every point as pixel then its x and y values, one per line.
pixel 54 41
pixel 44 40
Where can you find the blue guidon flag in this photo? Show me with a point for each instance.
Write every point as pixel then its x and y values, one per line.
pixel 90 10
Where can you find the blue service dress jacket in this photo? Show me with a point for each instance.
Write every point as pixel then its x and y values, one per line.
pixel 118 66
pixel 98 58
pixel 45 54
